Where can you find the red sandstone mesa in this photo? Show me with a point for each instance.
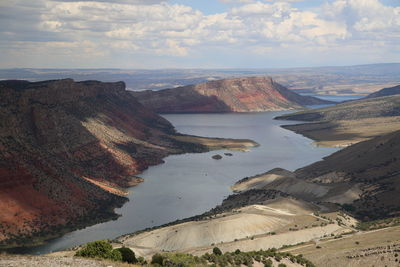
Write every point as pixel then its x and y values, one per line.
pixel 230 95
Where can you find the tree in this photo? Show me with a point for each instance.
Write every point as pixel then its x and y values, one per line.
pixel 127 255
pixel 217 251
pixel 157 259
pixel 268 263
pixel 100 249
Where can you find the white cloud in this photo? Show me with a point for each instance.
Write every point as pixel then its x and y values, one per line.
pixel 365 15
pixel 157 28
pixel 130 2
pixel 279 9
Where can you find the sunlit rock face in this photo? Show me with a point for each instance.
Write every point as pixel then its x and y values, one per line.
pixel 251 94
pixel 66 150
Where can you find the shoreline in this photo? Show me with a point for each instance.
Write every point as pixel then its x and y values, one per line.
pixel 344 133
pixel 187 144
pixel 43 238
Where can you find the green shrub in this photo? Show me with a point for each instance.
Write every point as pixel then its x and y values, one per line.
pixel 141 260
pixel 282 265
pixel 348 207
pixel 268 263
pixel 217 251
pixel 157 259
pixel 127 255
pixel 217 259
pixel 177 260
pixel 100 249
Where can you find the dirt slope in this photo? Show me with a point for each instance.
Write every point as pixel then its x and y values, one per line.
pixel 287 182
pixel 271 223
pixel 374 164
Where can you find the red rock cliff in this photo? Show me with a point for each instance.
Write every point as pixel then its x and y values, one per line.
pixel 230 95
pixel 65 149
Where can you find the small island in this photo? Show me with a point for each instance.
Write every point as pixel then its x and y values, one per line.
pixel 217 157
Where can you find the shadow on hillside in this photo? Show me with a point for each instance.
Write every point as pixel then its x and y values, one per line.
pixel 181 100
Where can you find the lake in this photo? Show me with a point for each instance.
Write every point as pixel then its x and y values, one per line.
pixel 338 98
pixel 190 184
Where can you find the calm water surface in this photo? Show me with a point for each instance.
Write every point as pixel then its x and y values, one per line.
pixel 190 184
pixel 338 98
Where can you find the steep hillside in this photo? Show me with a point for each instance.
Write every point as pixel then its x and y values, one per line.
pixel 286 182
pixel 365 176
pixel 66 150
pixel 230 95
pixel 374 164
pixel 385 92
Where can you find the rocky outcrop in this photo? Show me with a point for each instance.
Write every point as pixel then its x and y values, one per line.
pixel 229 95
pixel 66 150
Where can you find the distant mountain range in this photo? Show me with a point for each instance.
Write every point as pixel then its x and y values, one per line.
pixel 315 80
pixel 248 94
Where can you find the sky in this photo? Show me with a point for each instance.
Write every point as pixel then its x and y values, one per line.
pixel 154 34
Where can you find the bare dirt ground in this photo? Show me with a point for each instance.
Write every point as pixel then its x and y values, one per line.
pixel 51 261
pixel 287 182
pixel 373 248
pixel 277 223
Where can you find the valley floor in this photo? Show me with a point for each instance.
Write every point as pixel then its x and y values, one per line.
pixel 372 248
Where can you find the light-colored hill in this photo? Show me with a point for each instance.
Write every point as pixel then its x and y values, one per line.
pixel 287 182
pixel 277 222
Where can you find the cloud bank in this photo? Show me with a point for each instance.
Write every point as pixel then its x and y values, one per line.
pixel 152 34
